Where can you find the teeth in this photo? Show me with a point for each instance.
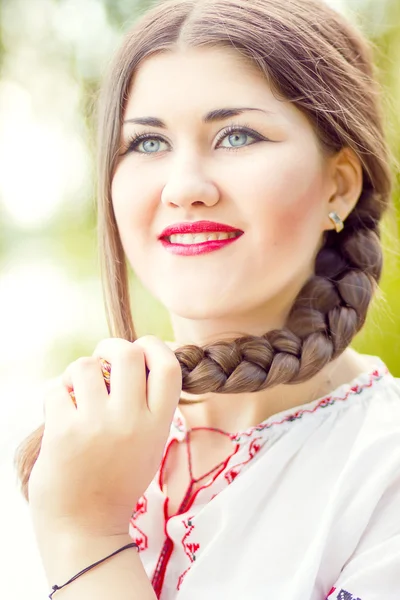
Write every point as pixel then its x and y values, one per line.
pixel 199 238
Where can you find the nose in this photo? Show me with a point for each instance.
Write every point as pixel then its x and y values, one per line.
pixel 187 186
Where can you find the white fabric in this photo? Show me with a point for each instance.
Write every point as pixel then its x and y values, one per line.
pixel 310 502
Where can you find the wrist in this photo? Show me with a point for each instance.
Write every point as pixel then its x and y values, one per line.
pixel 72 531
pixel 65 554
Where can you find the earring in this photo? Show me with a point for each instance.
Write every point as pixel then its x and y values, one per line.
pixel 337 221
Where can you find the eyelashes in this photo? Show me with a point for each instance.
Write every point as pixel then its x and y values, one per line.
pixel 135 139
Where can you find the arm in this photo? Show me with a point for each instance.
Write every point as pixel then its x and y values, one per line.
pixel 373 571
pixel 100 450
pixel 372 575
pixel 122 576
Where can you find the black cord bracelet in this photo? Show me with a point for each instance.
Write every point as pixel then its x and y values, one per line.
pixel 56 587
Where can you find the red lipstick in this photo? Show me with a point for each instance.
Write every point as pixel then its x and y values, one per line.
pixel 177 246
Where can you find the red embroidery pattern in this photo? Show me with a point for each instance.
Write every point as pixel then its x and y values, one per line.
pixel 189 547
pixel 179 424
pixel 254 447
pixel 323 403
pixel 138 536
pixel 160 570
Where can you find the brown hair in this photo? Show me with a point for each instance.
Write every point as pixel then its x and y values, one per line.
pixel 315 59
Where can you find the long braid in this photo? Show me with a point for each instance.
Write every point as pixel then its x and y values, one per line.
pixel 329 311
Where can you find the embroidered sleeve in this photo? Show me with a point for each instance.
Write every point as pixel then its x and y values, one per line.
pixel 373 571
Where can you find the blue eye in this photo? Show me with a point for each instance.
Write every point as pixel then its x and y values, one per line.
pixel 237 139
pixel 149 143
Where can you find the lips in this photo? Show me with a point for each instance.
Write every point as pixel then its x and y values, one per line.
pixel 197 227
pixel 189 239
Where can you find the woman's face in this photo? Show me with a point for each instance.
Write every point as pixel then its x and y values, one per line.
pixel 259 171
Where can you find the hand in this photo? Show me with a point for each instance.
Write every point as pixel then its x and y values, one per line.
pixel 98 457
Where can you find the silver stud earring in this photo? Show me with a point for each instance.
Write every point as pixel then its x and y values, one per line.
pixel 337 221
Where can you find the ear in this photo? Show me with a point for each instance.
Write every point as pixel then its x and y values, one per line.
pixel 346 182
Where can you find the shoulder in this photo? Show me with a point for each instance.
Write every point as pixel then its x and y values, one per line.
pixel 369 418
pixel 376 376
pixel 376 447
pixel 362 362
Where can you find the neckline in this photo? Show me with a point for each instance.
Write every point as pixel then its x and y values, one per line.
pixel 355 387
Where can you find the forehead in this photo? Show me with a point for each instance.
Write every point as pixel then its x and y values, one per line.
pixel 181 86
pixel 197 77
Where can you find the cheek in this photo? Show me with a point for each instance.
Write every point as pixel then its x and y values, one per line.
pixel 298 221
pixel 288 200
pixel 131 203
pixel 135 198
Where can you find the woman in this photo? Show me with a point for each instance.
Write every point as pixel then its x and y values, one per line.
pixel 243 175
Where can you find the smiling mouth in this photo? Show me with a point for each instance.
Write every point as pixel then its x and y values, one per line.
pixel 193 244
pixel 188 239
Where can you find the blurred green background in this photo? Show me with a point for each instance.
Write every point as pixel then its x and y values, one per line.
pixel 53 54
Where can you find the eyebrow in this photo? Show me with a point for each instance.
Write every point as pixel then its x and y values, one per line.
pixel 214 115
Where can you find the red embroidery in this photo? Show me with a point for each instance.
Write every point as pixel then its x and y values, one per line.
pixel 189 547
pixel 141 507
pixel 138 536
pixel 323 403
pixel 166 552
pixel 179 424
pixel 159 573
pixel 254 447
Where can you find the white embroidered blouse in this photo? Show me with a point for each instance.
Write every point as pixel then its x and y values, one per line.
pixel 307 508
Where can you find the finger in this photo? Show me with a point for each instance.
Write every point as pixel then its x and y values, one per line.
pixel 164 380
pixel 128 373
pixel 85 377
pixel 58 407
